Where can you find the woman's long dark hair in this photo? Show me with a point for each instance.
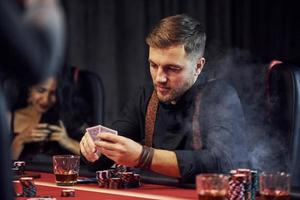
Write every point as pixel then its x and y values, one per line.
pixel 70 106
pixel 20 100
pixel 73 108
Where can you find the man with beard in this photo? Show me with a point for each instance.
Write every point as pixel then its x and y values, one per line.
pixel 183 124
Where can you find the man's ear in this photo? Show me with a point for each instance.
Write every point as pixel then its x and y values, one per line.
pixel 199 65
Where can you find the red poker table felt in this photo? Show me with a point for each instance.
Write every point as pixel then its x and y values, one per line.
pixel 46 187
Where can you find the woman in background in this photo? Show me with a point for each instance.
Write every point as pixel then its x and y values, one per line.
pixel 37 127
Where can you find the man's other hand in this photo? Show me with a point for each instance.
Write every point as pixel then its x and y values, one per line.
pixel 88 148
pixel 122 150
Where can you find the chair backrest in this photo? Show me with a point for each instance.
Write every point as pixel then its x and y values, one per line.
pixel 283 94
pixel 91 89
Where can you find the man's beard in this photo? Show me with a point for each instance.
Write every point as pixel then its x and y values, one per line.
pixel 174 94
pixel 171 96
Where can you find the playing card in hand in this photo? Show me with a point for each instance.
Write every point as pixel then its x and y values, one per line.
pixel 95 130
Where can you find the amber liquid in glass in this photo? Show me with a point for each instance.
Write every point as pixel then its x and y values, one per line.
pixel 213 195
pixel 66 179
pixel 275 195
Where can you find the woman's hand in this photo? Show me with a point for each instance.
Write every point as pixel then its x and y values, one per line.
pixel 59 133
pixel 33 134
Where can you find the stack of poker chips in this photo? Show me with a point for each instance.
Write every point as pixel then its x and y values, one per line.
pixel 237 187
pixel 243 184
pixel 248 183
pixel 117 177
pixel 29 188
pixel 255 184
pixel 115 183
pixel 19 167
pixel 119 168
pixel 103 178
pixel 130 180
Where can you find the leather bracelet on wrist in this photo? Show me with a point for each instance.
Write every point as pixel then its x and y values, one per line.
pixel 146 157
pixel 149 158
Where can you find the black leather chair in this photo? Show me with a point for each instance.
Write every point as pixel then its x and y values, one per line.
pixel 283 94
pixel 91 90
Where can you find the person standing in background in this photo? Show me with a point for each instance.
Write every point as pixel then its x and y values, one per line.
pixel 31 48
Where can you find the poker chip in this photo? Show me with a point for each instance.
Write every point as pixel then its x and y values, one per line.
pixel 19 167
pixel 117 177
pixel 255 184
pixel 127 179
pixel 137 180
pixel 121 168
pixel 236 187
pixel 248 182
pixel 19 163
pixel 243 184
pixel 102 178
pixel 127 176
pixel 115 183
pixel 28 186
pixel 232 172
pixel 104 174
pixel 67 193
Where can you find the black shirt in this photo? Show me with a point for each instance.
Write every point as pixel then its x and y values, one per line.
pixel 221 123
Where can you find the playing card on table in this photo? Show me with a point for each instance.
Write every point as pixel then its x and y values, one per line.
pixel 95 130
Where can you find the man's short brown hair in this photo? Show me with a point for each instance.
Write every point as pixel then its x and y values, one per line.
pixel 179 30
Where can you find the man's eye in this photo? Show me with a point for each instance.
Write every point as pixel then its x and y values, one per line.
pixel 39 89
pixel 153 65
pixel 174 69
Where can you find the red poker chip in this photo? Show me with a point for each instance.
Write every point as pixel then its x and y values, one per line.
pixel 26 181
pixel 115 183
pixel 68 193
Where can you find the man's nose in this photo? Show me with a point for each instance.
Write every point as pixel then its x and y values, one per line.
pixel 161 76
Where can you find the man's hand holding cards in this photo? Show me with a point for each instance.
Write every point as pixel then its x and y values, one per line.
pixel 100 140
pixel 95 130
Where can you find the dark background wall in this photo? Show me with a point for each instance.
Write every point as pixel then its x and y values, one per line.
pixel 107 37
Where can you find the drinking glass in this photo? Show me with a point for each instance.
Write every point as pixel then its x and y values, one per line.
pixel 212 186
pixel 274 185
pixel 66 169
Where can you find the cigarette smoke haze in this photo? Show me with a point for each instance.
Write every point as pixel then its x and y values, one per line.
pixel 267 149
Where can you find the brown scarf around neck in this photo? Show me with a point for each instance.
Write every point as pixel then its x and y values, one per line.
pixel 151 118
